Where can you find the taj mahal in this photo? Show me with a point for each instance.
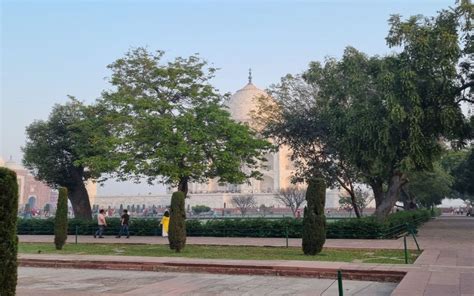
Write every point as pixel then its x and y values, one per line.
pixel 277 170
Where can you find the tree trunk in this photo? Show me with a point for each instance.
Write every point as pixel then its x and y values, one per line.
pixel 392 196
pixel 377 188
pixel 409 200
pixel 354 204
pixel 79 197
pixel 183 185
pixel 80 201
pixel 350 190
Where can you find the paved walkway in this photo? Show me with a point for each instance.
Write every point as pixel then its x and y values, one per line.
pixel 69 282
pixel 446 267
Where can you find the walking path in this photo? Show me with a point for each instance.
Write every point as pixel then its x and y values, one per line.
pixel 446 267
pixel 87 282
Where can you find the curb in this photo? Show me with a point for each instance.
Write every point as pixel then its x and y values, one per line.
pixel 308 272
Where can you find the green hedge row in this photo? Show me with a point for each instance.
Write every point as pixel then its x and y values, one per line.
pixel 364 228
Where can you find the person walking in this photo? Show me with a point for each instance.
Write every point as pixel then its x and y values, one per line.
pixel 165 221
pixel 101 223
pixel 124 224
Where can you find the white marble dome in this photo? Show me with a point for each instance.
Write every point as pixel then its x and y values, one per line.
pixel 244 101
pixel 12 165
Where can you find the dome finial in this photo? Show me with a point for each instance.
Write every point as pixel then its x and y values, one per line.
pixel 250 75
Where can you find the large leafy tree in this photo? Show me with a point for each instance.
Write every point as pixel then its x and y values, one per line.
pixel 169 124
pixel 382 116
pixel 298 119
pixel 55 148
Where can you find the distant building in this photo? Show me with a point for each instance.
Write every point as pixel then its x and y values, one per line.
pixel 34 192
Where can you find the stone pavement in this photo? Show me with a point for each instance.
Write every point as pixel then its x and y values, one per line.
pixel 446 267
pixel 68 282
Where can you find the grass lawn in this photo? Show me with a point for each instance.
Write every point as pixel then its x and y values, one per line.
pixel 223 252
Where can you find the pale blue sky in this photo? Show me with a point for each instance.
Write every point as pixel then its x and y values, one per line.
pixel 50 49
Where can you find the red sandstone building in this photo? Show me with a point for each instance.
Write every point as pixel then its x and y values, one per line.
pixel 31 191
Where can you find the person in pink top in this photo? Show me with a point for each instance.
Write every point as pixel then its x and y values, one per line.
pixel 101 223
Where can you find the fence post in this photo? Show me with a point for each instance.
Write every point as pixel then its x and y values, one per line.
pixel 405 246
pixel 339 283
pixel 76 231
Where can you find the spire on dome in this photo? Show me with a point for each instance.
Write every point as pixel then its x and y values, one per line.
pixel 250 75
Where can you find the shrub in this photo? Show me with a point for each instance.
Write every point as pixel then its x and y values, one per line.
pixel 363 228
pixel 60 221
pixel 177 228
pixel 200 209
pixel 314 221
pixel 8 237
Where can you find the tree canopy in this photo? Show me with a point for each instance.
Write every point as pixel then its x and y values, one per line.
pixel 374 119
pixel 169 124
pixel 55 148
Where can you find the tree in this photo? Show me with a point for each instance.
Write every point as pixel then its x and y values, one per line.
pixel 292 197
pixel 463 176
pixel 244 203
pixel 55 148
pixel 430 187
pixel 362 200
pixel 170 126
pixel 177 227
pixel 314 221
pixel 60 221
pixel 198 209
pixel 8 221
pixel 383 116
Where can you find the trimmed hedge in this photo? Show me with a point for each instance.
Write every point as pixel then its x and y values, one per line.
pixel 8 235
pixel 60 220
pixel 364 228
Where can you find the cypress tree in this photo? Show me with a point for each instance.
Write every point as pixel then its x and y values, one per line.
pixel 60 221
pixel 177 227
pixel 314 221
pixel 8 237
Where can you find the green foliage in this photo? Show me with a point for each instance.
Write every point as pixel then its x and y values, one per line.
pixel 430 187
pixel 169 124
pixel 8 231
pixel 373 119
pixel 463 177
pixel 55 148
pixel 362 200
pixel 60 221
pixel 364 228
pixel 314 221
pixel 197 209
pixel 177 227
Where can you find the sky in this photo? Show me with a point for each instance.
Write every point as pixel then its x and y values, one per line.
pixel 51 49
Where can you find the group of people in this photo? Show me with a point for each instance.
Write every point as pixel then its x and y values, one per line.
pixel 461 210
pixel 124 224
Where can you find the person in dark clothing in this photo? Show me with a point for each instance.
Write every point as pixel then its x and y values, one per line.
pixel 124 220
